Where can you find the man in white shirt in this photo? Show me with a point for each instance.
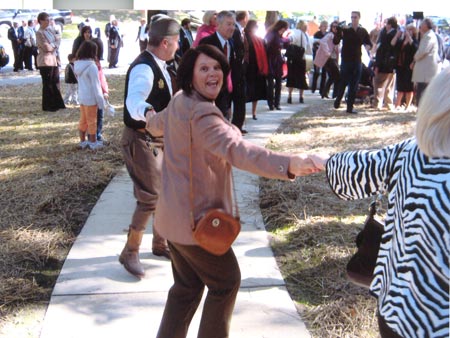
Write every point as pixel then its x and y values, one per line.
pixel 148 87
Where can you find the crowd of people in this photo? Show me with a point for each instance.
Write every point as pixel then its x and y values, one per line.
pixel 193 122
pixel 184 112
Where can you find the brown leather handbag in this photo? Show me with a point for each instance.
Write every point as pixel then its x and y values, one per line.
pixel 216 230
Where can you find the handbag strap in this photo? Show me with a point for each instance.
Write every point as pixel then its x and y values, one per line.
pixel 376 204
pixel 191 185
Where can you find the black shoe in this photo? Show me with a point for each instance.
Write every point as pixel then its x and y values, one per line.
pixel 301 100
pixel 254 118
pixel 289 100
pixel 351 111
pixel 271 107
pixel 278 108
pixel 337 103
pixel 243 131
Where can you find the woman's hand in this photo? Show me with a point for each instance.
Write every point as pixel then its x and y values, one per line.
pixel 303 164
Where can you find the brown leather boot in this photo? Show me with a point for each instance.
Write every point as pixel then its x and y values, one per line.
pixel 159 245
pixel 130 254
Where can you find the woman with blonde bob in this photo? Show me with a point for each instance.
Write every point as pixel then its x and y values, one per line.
pixel 209 27
pixel 411 278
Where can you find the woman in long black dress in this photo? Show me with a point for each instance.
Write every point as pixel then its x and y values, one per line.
pixel 406 45
pixel 257 66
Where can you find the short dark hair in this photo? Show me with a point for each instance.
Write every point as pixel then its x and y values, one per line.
pixel 185 73
pixel 241 15
pixel 392 21
pixel 185 21
pixel 85 29
pixel 42 16
pixel 428 22
pixel 87 50
pixel 280 24
pixel 250 25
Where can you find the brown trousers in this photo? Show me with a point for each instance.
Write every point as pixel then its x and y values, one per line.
pixel 193 268
pixel 144 169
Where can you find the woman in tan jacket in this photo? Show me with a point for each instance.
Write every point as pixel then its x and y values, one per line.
pixel 192 120
pixel 425 64
pixel 48 66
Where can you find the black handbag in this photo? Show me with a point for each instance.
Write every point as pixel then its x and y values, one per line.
pixel 295 53
pixel 362 264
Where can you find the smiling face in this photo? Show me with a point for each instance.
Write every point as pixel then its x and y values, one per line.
pixel 226 27
pixel 207 77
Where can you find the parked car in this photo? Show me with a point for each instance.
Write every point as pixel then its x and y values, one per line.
pixel 6 17
pixel 441 23
pixel 62 16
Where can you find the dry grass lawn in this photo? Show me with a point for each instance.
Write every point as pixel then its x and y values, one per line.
pixel 313 231
pixel 49 188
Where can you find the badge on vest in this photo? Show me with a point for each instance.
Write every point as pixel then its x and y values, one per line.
pixel 161 84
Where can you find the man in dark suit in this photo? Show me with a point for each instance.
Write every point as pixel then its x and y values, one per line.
pixel 142 35
pixel 115 43
pixel 186 39
pixel 238 71
pixel 222 40
pixel 15 34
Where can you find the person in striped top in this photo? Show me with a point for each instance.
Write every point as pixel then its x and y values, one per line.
pixel 411 278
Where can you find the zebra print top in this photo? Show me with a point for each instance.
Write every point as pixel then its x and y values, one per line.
pixel 411 279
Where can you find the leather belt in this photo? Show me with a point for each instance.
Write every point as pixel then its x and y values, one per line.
pixel 141 130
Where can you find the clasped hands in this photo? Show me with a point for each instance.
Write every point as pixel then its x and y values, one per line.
pixel 304 164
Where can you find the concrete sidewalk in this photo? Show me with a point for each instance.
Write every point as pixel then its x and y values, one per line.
pixel 95 297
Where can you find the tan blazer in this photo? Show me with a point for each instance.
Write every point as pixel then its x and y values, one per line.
pixel 47 50
pixel 217 145
pixel 426 58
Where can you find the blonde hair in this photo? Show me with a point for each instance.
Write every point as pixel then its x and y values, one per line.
pixel 301 24
pixel 208 16
pixel 433 117
pixel 413 28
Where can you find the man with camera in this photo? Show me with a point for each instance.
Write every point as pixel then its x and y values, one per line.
pixel 353 37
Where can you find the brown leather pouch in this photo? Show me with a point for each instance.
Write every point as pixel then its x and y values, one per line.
pixel 216 231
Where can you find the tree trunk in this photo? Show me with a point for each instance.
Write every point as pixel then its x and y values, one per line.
pixel 271 18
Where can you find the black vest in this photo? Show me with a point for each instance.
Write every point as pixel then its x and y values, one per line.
pixel 158 98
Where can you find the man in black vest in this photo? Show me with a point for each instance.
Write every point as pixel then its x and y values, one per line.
pixel 148 87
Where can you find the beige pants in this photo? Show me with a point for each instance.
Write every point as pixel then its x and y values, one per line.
pixel 383 85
